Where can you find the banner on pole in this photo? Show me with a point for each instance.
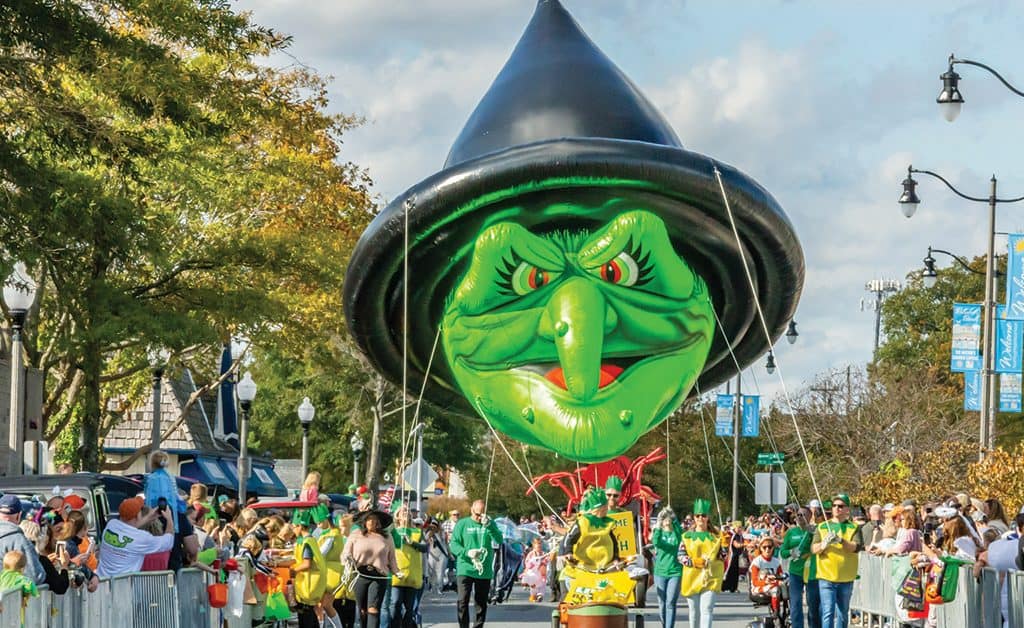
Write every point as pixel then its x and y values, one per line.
pixel 1009 392
pixel 1015 277
pixel 1009 336
pixel 751 421
pixel 966 337
pixel 972 391
pixel 723 415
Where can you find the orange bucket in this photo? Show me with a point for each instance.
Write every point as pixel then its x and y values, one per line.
pixel 218 594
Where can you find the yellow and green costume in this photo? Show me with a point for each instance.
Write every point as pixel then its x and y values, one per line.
pixel 706 546
pixel 408 558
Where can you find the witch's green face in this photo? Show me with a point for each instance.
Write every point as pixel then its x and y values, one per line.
pixel 578 342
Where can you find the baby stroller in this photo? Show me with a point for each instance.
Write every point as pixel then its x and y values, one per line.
pixel 507 563
pixel 778 608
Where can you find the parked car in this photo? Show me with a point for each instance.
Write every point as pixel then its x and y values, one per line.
pixel 340 500
pixel 91 487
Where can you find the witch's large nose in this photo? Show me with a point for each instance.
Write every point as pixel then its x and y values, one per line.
pixel 579 317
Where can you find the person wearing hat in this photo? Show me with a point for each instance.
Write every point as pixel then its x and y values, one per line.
pixel 835 545
pixel 702 556
pixel 308 570
pixel 124 544
pixel 371 552
pixel 13 539
pixel 613 491
pixel 590 543
pixel 407 584
pixel 665 538
pixel 567 225
pixel 796 546
pixel 471 543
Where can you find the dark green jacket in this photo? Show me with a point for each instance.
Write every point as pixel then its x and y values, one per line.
pixel 468 535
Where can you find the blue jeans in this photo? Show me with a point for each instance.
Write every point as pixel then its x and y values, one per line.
pixel 403 607
pixel 797 587
pixel 835 603
pixel 668 595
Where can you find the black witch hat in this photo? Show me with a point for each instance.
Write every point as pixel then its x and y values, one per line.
pixel 561 121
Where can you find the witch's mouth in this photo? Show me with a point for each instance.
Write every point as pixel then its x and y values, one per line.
pixel 611 370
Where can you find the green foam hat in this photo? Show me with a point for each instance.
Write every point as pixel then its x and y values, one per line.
pixel 843 497
pixel 320 513
pixel 593 500
pixel 396 505
pixel 302 518
pixel 701 507
pixel 614 483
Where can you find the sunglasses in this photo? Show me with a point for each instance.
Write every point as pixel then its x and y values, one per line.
pixel 610 495
pixel 701 516
pixel 840 506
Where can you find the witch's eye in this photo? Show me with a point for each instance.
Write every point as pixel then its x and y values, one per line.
pixel 631 267
pixel 519 277
pixel 622 270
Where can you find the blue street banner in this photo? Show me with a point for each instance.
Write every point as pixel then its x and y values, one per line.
pixel 751 421
pixel 972 391
pixel 1015 277
pixel 1009 392
pixel 966 337
pixel 723 415
pixel 1009 339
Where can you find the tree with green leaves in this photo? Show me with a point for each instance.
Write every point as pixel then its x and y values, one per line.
pixel 166 187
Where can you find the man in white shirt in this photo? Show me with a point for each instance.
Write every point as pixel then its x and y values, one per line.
pixel 124 545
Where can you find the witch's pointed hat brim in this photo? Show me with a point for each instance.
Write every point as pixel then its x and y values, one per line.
pixel 512 158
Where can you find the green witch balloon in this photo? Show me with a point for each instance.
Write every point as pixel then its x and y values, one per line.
pixel 573 271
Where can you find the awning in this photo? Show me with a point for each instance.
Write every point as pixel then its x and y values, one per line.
pixel 263 480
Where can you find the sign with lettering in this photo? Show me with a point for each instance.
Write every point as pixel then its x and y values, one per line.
pixel 1009 339
pixel 972 391
pixel 966 337
pixel 624 533
pixel 1009 392
pixel 723 415
pixel 751 421
pixel 1015 277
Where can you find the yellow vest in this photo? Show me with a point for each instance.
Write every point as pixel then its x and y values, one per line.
pixel 332 557
pixel 310 585
pixel 595 548
pixel 409 561
pixel 706 546
pixel 835 564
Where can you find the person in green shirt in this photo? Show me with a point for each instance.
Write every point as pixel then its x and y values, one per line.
pixel 667 569
pixel 472 542
pixel 796 546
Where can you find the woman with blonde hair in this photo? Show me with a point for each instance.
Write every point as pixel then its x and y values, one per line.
pixel 198 494
pixel 310 488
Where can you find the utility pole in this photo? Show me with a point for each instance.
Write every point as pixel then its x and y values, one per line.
pixel 881 289
pixel 737 411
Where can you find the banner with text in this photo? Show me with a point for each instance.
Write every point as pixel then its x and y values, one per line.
pixel 723 415
pixel 1009 339
pixel 972 391
pixel 751 422
pixel 1009 392
pixel 966 337
pixel 1015 276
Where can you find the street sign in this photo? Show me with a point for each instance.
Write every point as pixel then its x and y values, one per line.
pixel 427 474
pixel 770 489
pixel 771 458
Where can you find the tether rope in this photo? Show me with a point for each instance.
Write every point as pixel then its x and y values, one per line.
pixel 764 327
pixel 711 467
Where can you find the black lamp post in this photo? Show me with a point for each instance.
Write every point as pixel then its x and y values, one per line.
pixel 950 99
pixel 930 276
pixel 158 359
pixel 356 442
pixel 909 202
pixel 306 413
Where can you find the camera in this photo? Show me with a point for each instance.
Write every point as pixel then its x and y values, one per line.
pixel 161 504
pixel 77 577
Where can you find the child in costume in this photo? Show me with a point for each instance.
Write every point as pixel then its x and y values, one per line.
pixel 13 577
pixel 590 542
pixel 702 556
pixel 765 570
pixel 535 571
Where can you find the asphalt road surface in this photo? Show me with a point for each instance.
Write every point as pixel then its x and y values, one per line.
pixel 732 610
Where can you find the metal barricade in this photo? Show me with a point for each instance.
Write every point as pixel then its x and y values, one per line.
pixel 990 604
pixel 156 604
pixel 37 611
pixel 10 602
pixel 874 596
pixel 66 610
pixel 122 607
pixel 1015 599
pixel 193 605
pixel 96 606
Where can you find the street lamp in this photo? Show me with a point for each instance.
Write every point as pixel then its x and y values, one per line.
pixel 246 390
pixel 158 359
pixel 306 412
pixel 19 295
pixel 791 333
pixel 987 426
pixel 769 364
pixel 930 276
pixel 356 442
pixel 950 99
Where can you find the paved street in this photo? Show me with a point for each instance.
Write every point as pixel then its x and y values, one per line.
pixel 733 610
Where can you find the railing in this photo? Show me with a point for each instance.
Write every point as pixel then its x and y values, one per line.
pixel 978 603
pixel 158 599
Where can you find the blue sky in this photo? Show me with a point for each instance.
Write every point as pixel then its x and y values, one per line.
pixel 823 103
